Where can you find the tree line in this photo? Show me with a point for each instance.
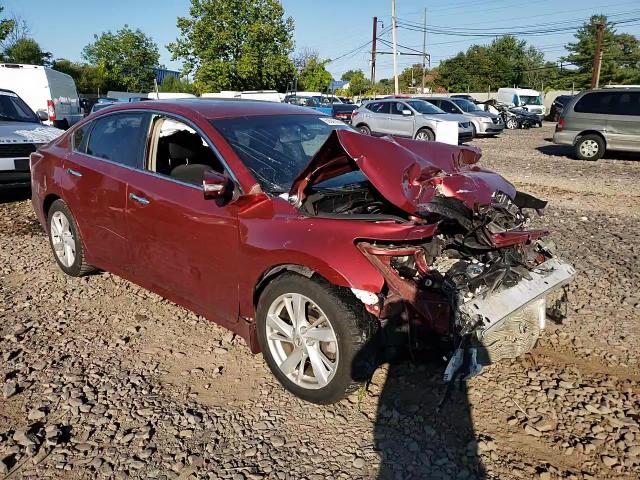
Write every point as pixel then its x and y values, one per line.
pixel 248 45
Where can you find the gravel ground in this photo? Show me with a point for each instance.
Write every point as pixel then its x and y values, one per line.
pixel 100 378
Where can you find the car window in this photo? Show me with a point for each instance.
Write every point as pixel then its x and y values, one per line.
pixel 13 109
pixel 179 152
pixel 596 102
pixel 380 107
pixel 422 106
pixel 275 148
pixel 119 138
pixel 397 108
pixel 628 103
pixel 80 137
pixel 448 106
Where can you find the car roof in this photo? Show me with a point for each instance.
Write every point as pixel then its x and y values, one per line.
pixel 217 108
pixel 6 90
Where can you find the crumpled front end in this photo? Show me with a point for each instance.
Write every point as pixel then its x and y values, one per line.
pixel 483 280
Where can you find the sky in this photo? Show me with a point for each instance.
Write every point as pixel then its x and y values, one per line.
pixel 332 27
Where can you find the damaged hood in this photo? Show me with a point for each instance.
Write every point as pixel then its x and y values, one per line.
pixel 408 173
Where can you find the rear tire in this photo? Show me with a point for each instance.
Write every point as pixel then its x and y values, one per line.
pixel 364 130
pixel 323 363
pixel 426 135
pixel 590 147
pixel 65 241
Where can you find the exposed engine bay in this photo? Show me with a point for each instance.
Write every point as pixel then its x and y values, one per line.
pixel 483 280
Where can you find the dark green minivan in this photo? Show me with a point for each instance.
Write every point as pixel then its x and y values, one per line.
pixel 596 121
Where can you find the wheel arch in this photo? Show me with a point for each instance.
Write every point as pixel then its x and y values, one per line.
pixel 590 132
pixel 48 201
pixel 363 124
pixel 425 127
pixel 275 271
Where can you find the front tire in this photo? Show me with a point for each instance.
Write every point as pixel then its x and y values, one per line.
pixel 590 147
pixel 317 339
pixel 512 123
pixel 65 241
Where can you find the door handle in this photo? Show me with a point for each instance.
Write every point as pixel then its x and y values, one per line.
pixel 139 199
pixel 73 172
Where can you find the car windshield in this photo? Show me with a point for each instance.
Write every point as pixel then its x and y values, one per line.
pixel 275 148
pixel 530 100
pixel 466 105
pixel 13 109
pixel 422 106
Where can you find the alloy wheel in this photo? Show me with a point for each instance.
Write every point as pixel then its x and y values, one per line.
pixel 512 123
pixel 589 148
pixel 62 239
pixel 302 341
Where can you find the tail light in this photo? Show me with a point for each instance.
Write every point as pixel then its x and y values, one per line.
pixel 51 110
pixel 353 114
pixel 560 125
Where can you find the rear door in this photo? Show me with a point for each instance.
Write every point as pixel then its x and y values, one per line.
pixel 378 116
pixel 104 154
pixel 623 125
pixel 184 247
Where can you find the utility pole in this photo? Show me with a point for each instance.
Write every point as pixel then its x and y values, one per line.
pixel 597 58
pixel 424 48
pixel 373 50
pixel 394 27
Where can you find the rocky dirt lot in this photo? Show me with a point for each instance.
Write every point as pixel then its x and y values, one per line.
pixel 101 379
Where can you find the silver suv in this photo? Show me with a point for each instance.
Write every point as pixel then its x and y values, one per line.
pixel 483 123
pixel 599 120
pixel 406 118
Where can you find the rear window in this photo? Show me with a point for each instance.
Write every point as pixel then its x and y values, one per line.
pixel 612 103
pixel 119 138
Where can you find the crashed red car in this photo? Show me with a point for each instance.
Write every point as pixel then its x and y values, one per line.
pixel 307 239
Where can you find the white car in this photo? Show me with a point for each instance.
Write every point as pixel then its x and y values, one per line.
pixel 44 90
pixel 21 133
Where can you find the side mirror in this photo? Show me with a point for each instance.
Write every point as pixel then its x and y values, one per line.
pixel 407 112
pixel 215 185
pixel 42 115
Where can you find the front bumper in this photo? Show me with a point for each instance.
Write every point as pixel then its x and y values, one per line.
pixel 486 128
pixel 508 322
pixel 14 172
pixel 465 136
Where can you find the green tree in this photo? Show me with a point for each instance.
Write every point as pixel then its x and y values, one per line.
pixel 315 77
pixel 6 26
pixel 126 57
pixel 620 54
pixel 176 85
pixel 504 62
pixel 236 45
pixel 88 78
pixel 358 84
pixel 27 51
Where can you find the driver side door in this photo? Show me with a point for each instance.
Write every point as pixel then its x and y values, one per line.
pixel 184 247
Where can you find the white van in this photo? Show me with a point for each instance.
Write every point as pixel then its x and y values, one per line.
pixel 529 99
pixel 44 89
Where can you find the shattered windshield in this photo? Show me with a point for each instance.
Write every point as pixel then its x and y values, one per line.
pixel 276 147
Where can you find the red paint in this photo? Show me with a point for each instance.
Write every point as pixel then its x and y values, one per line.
pixel 210 256
pixel 408 173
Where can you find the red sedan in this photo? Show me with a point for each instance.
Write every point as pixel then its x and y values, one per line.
pixel 309 240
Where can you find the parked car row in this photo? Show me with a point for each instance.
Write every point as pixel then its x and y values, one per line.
pixel 421 119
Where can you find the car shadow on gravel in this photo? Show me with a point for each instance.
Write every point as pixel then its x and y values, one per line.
pixel 567 152
pixel 416 439
pixel 14 194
